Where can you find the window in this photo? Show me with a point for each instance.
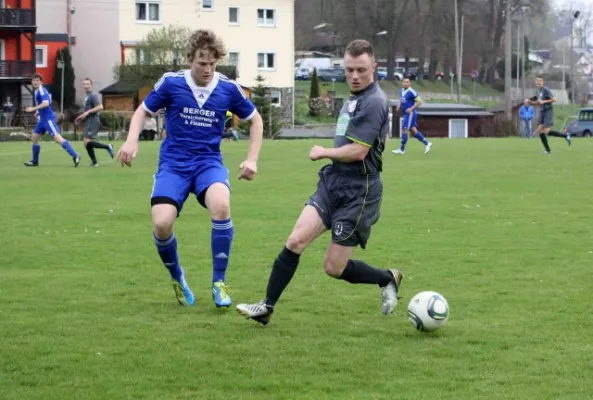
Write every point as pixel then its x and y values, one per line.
pixel 208 4
pixel 41 56
pixel 266 17
pixel 148 11
pixel 233 15
pixel 266 60
pixel 276 97
pixel 233 58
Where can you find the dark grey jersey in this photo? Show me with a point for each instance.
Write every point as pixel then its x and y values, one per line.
pixel 545 94
pixel 364 119
pixel 91 101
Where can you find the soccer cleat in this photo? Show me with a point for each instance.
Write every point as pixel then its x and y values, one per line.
pixel 76 161
pixel 184 295
pixel 31 164
pixel 546 152
pixel 220 294
pixel 111 151
pixel 258 312
pixel 92 164
pixel 389 293
pixel 398 151
pixel 427 147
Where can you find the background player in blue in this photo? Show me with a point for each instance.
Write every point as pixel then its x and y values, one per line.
pixel 409 101
pixel 46 123
pixel 196 101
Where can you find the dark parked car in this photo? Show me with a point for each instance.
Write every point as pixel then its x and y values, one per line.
pixel 331 74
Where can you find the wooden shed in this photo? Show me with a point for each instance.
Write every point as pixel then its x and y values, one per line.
pixel 449 120
pixel 124 96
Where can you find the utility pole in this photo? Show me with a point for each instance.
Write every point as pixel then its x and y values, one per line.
pixel 508 83
pixel 572 71
pixel 457 50
pixel 460 63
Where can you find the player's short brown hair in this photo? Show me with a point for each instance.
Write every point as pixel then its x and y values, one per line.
pixel 88 79
pixel 359 47
pixel 204 39
pixel 36 76
pixel 539 76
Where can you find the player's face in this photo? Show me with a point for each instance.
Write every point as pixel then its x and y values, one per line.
pixel 203 65
pixel 406 83
pixel 87 85
pixel 359 71
pixel 539 82
pixel 36 82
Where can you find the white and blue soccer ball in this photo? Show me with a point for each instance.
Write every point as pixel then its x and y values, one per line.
pixel 428 311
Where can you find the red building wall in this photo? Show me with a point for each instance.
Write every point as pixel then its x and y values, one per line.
pixel 52 49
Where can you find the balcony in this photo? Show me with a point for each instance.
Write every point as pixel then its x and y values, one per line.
pixel 18 70
pixel 17 18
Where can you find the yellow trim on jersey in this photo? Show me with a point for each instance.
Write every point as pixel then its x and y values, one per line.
pixel 358 141
pixel 417 99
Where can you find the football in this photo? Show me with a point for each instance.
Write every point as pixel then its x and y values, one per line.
pixel 428 311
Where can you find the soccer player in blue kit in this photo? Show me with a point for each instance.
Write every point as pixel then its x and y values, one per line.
pixel 47 123
pixel 195 101
pixel 409 102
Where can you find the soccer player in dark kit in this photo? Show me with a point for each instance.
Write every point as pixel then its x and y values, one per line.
pixel 545 100
pixel 348 196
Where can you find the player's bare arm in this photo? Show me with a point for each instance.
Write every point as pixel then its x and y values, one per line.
pixel 349 153
pixel 128 151
pixel 256 133
pixel 43 104
pixel 86 113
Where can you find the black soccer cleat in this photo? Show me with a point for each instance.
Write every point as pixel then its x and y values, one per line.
pixel 76 161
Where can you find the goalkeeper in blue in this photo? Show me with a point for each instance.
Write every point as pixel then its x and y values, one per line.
pixel 195 101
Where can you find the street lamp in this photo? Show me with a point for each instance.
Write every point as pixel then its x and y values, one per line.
pixel 60 65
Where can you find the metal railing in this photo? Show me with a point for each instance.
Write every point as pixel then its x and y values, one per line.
pixel 16 69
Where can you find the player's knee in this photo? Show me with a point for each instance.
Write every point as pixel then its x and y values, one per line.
pixel 220 210
pixel 162 223
pixel 296 242
pixel 332 267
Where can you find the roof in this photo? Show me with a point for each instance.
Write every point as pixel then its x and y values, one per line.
pixel 449 110
pixel 122 87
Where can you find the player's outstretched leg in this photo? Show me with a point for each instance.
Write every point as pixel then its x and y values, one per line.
pixel 339 264
pixel 68 147
pixel 163 217
pixel 418 135
pixel 308 227
pixel 561 135
pixel 217 201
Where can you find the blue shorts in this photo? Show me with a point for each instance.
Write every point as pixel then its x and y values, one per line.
pixel 409 121
pixel 47 125
pixel 173 187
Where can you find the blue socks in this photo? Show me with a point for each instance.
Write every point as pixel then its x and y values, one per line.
pixel 36 150
pixel 222 238
pixel 168 252
pixel 404 141
pixel 66 146
pixel 421 138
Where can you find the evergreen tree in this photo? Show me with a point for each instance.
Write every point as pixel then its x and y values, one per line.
pixel 69 77
pixel 263 102
pixel 314 99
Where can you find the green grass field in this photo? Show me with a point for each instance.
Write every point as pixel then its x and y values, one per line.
pixel 502 231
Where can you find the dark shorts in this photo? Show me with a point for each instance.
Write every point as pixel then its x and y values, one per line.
pixel 546 118
pixel 91 128
pixel 348 205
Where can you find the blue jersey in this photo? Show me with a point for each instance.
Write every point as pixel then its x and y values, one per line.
pixel 408 98
pixel 42 95
pixel 195 117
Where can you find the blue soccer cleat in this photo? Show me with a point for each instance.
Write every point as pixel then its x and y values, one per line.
pixel 184 295
pixel 220 294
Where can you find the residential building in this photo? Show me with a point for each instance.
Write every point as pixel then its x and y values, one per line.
pixel 259 36
pixel 17 50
